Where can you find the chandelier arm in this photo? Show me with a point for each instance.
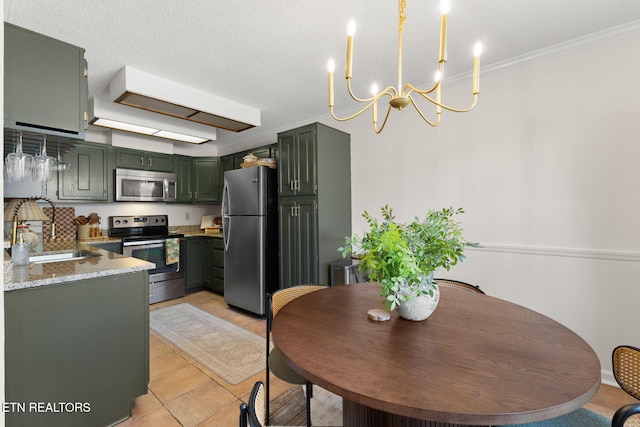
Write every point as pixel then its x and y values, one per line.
pixel 446 107
pixel 437 122
pixel 389 90
pixel 362 110
pixel 384 122
pixel 409 88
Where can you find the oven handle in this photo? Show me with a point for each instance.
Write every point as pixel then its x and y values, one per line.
pixel 146 244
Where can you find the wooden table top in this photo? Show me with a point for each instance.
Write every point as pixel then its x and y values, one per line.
pixel 476 360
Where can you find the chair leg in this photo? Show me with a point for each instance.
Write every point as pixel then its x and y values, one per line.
pixel 309 396
pixel 243 415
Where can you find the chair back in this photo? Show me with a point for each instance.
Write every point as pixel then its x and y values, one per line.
pixel 282 297
pixel 254 411
pixel 458 285
pixel 626 369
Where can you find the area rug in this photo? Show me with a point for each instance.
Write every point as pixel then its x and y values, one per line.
pixel 289 408
pixel 229 351
pixel 579 418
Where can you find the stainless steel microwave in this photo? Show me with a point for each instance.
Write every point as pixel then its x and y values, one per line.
pixel 144 186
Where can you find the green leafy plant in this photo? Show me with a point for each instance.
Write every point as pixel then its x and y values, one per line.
pixel 403 257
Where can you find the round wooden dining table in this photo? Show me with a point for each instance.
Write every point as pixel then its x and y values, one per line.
pixel 477 360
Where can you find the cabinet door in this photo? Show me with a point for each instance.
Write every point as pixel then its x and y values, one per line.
pixel 45 84
pixel 298 242
pixel 88 177
pixel 182 169
pixel 218 267
pixel 297 163
pixel 306 161
pixel 207 180
pixel 194 265
pixel 128 159
pixel 159 162
pixel 307 262
pixel 286 164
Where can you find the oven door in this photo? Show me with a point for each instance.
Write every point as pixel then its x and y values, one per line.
pixel 153 250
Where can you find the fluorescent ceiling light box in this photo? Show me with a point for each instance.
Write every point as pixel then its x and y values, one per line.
pixel 115 116
pixel 145 91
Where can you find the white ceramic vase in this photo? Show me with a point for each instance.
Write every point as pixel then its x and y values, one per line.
pixel 420 307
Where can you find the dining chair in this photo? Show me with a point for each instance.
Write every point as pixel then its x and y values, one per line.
pixel 626 371
pixel 458 285
pixel 275 364
pixel 254 411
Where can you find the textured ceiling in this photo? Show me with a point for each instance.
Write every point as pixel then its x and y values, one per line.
pixel 272 54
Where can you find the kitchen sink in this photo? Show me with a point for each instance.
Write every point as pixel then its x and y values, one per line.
pixel 62 256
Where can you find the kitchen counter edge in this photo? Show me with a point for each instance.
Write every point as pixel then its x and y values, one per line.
pixel 38 275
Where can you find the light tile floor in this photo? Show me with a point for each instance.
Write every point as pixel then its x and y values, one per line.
pixel 184 393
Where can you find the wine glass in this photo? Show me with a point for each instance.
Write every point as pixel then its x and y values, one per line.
pixel 18 164
pixel 43 165
pixel 62 166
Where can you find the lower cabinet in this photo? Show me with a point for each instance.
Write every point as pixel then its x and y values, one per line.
pixel 217 280
pixel 79 348
pixel 204 264
pixel 298 224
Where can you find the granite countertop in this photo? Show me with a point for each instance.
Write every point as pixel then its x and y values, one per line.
pixel 36 275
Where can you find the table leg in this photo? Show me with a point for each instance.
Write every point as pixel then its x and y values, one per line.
pixel 354 414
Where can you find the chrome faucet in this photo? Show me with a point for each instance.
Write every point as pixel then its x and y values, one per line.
pixel 14 224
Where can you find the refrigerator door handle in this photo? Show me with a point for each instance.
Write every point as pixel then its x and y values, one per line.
pixel 225 232
pixel 225 199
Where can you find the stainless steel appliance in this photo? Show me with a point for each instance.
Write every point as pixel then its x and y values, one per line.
pixel 144 186
pixel 250 233
pixel 146 237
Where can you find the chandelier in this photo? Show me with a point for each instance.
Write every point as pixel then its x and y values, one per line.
pixel 402 96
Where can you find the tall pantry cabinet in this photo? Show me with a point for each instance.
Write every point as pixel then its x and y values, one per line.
pixel 314 202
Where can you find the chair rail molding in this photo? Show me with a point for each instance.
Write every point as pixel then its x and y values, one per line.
pixel 624 256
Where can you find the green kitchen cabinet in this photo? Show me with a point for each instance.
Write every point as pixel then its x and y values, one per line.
pixel 314 202
pixel 199 264
pixel 45 84
pixel 216 283
pixel 142 160
pixel 182 167
pixel 194 264
pixel 89 175
pixel 297 163
pixel 206 180
pixel 297 224
pixel 85 341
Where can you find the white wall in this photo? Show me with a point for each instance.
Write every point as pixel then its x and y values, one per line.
pixel 546 167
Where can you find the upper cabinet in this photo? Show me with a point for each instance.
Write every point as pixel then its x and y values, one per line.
pixel 142 160
pixel 297 162
pixel 197 179
pixel 89 175
pixel 206 180
pixel 45 84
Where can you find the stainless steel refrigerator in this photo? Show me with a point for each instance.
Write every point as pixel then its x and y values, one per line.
pixel 250 233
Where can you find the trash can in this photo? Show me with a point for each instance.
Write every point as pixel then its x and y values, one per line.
pixel 345 271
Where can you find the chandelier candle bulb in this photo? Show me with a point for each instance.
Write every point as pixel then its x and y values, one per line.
pixel 351 31
pixel 477 51
pixel 444 9
pixel 331 66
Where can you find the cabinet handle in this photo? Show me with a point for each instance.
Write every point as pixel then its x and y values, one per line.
pixel 141 161
pixel 291 185
pixel 150 162
pixel 297 185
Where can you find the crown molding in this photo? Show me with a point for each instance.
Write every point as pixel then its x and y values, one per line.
pixel 591 40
